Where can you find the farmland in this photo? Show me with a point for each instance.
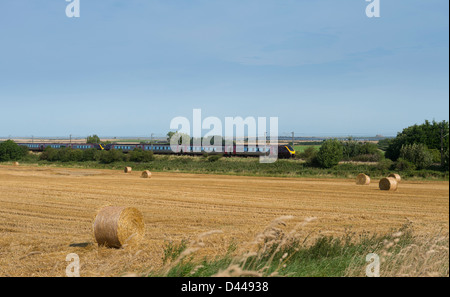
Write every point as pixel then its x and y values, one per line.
pixel 301 148
pixel 47 213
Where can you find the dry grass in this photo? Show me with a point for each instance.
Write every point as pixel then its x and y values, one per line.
pixel 425 256
pixel 46 215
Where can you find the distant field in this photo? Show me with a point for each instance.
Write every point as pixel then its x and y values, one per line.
pixel 302 148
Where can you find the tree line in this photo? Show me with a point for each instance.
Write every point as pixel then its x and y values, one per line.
pixel 416 147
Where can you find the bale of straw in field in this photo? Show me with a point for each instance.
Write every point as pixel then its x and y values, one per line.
pixel 116 226
pixel 388 184
pixel 396 176
pixel 16 163
pixel 362 180
pixel 146 174
pixel 127 169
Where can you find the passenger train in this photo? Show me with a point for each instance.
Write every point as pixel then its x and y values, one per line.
pixel 283 151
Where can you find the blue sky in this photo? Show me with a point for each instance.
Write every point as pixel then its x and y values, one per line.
pixel 127 67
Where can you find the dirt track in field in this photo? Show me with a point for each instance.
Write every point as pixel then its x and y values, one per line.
pixel 47 213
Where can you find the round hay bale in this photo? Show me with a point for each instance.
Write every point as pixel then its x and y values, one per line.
pixel 146 174
pixel 396 176
pixel 362 180
pixel 127 170
pixel 16 163
pixel 388 184
pixel 116 226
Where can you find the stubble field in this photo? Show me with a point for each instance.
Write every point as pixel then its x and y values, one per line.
pixel 47 213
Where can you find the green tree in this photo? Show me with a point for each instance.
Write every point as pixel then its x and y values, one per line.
pixel 89 155
pixel 309 154
pixel 383 144
pixel 350 148
pixel 94 139
pixel 330 153
pixel 10 151
pixel 49 154
pixel 141 156
pixel 404 165
pixel 418 154
pixel 108 157
pixel 180 136
pixel 170 135
pixel 428 134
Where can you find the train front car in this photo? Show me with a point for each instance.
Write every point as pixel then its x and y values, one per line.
pixel 286 152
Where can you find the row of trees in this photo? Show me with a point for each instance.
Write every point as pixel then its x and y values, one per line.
pixel 105 157
pixel 333 151
pixel 433 135
pixel 416 147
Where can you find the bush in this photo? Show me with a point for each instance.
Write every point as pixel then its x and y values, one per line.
pixel 383 144
pixel 418 154
pixel 90 155
pixel 10 151
pixel 404 165
pixel 436 155
pixel 309 154
pixel 376 157
pixel 330 153
pixel 69 155
pixel 385 165
pixel 368 148
pixel 139 155
pixel 361 151
pixel 214 158
pixel 108 157
pixel 49 154
pixel 350 148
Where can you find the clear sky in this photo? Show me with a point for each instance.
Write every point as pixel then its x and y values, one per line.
pixel 127 67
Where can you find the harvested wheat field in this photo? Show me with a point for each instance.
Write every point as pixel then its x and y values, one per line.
pixel 47 213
